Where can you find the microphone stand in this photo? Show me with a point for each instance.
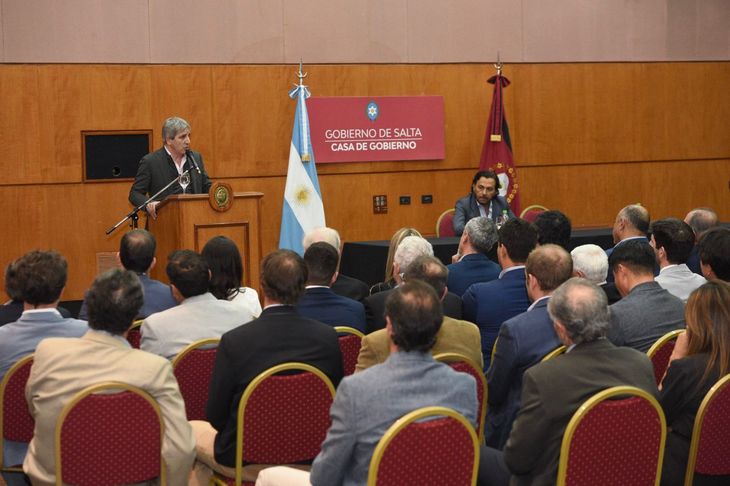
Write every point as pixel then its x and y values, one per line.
pixel 133 214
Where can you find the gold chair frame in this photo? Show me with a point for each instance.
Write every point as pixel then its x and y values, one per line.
pixel 533 206
pixel 349 330
pixel 555 352
pixel 438 221
pixel 200 344
pixel 456 357
pixel 662 341
pixel 3 384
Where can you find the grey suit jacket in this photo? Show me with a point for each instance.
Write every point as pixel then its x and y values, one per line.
pixel 467 207
pixel 644 315
pixel 369 402
pixel 552 391
pixel 679 280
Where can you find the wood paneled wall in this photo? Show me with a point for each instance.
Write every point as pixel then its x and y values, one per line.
pixel 588 139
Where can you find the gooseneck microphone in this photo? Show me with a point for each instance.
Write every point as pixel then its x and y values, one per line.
pixel 189 154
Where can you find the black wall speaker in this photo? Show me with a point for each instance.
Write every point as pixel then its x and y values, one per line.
pixel 113 155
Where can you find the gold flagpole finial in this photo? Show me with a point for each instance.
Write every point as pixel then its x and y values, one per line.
pixel 498 65
pixel 301 75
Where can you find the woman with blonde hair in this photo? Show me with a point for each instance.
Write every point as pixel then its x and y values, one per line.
pixel 690 377
pixel 389 282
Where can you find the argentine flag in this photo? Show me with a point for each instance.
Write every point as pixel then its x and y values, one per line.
pixel 303 210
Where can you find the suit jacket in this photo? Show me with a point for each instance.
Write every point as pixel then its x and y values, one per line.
pixel 471 269
pixel 612 293
pixel 679 280
pixel 375 309
pixel 553 391
pixel 11 311
pixel 350 287
pixel 323 305
pixel 489 304
pixel 368 403
pixel 279 335
pixel 454 337
pixel 157 169
pixel 22 336
pixel 64 367
pixel 157 297
pixel 693 261
pixel 644 315
pixel 203 316
pixel 468 207
pixel 523 341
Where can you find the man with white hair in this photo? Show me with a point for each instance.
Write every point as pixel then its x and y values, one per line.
pixel 345 286
pixel 591 262
pixel 408 250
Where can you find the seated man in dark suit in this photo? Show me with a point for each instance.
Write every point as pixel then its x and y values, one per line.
pixel 319 302
pixel 345 286
pixel 701 220
pixel 524 340
pixel 279 335
pixel 647 311
pixel 12 309
pixel 410 248
pixel 632 223
pixel 591 262
pixel 489 304
pixel 552 391
pixel 553 227
pixel 483 200
pixel 472 264
pixel 714 251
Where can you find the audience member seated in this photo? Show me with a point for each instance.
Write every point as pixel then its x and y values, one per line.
pixel 482 200
pixel 472 264
pixel 345 286
pixel 226 274
pixel 553 227
pixel 714 251
pixel 689 378
pixel 700 219
pixel 591 262
pixel 632 223
pixel 319 302
pixel 137 253
pixel 455 336
pixel 37 279
pixel 389 280
pixel 279 335
pixel 12 309
pixel 524 340
pixel 64 367
pixel 553 390
pixel 199 316
pixel 673 240
pixel 368 403
pixel 489 304
pixel 647 311
pixel 410 248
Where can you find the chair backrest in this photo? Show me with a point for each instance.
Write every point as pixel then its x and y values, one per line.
pixel 708 448
pixel 463 364
pixel 16 423
pixel 110 433
pixel 283 418
pixel 530 213
pixel 134 336
pixel 443 450
pixel 555 352
pixel 350 340
pixel 616 437
pixel 660 352
pixel 193 368
pixel 445 224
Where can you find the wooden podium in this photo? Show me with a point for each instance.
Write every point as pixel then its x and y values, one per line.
pixel 188 221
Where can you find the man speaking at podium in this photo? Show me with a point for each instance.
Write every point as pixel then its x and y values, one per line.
pixel 158 168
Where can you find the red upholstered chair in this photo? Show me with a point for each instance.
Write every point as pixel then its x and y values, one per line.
pixel 708 453
pixel 282 418
pixel 134 336
pixel 660 352
pixel 463 364
pixel 616 437
pixel 440 451
pixel 530 213
pixel 350 340
pixel 193 367
pixel 445 224
pixel 110 433
pixel 16 423
pixel 555 352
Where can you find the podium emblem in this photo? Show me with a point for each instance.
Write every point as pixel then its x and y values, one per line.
pixel 220 196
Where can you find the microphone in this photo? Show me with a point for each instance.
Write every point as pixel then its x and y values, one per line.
pixel 189 153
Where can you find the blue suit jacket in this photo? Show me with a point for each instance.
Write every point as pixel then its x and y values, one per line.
pixel 467 207
pixel 489 304
pixel 157 298
pixel 523 341
pixel 474 268
pixel 323 305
